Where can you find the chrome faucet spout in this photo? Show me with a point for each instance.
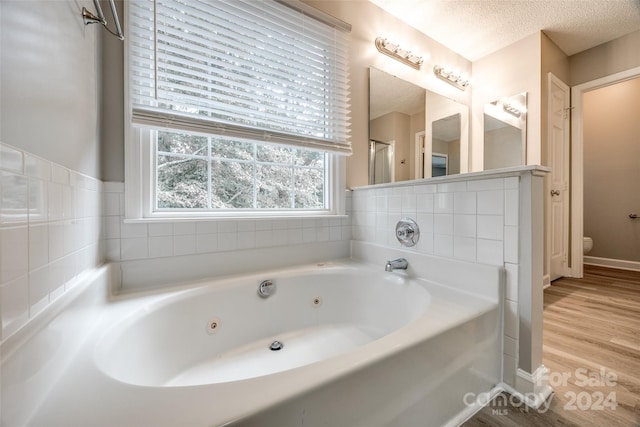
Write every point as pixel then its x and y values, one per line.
pixel 396 264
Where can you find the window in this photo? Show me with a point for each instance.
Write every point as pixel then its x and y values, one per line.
pixel 235 105
pixel 198 172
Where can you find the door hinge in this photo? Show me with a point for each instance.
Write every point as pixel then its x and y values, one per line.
pixel 567 111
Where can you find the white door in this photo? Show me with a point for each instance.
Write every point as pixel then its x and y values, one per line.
pixel 558 196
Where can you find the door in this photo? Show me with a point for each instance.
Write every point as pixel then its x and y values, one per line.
pixel 558 196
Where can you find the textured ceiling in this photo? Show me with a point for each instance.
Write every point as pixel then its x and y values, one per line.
pixel 476 28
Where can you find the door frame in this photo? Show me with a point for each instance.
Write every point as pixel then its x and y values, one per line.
pixel 419 163
pixel 577 162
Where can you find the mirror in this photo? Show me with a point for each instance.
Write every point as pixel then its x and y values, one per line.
pixel 505 132
pixel 413 133
pixel 396 115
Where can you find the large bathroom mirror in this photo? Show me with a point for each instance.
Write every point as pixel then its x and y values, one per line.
pixel 413 133
pixel 505 132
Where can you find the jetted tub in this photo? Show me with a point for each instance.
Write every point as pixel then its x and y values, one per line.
pixel 226 332
pixel 358 346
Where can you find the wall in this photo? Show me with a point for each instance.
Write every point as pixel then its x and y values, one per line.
pixel 555 61
pixel 609 58
pixel 112 113
pixel 50 82
pixel 50 199
pixel 504 73
pixel 611 172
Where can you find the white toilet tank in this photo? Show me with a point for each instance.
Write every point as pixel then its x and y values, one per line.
pixel 587 245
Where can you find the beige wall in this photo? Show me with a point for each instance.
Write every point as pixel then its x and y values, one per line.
pixel 112 114
pixel 50 77
pixel 507 72
pixel 555 61
pixel 609 58
pixel 612 170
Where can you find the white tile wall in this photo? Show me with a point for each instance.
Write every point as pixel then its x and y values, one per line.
pixel 134 241
pixel 50 231
pixel 475 220
pixel 471 220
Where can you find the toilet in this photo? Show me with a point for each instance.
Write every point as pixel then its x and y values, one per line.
pixel 587 245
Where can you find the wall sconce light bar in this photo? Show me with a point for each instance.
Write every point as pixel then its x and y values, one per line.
pixel 451 77
pixel 512 108
pixel 396 52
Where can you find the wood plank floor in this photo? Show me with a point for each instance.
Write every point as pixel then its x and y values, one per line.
pixel 592 349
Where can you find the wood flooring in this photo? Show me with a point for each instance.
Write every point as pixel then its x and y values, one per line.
pixel 592 348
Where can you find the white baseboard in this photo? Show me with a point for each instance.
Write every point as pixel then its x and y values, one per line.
pixel 538 400
pixel 472 409
pixel 533 388
pixel 546 281
pixel 612 263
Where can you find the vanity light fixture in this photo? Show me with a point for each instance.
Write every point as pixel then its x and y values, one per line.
pixel 452 77
pixel 513 108
pixel 396 52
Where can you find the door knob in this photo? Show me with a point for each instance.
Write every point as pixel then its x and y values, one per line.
pixel 555 192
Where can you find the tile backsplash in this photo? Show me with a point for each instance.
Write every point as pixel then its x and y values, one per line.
pixel 137 241
pixel 468 220
pixel 50 232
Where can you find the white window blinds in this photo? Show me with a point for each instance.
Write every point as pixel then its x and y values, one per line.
pixel 255 69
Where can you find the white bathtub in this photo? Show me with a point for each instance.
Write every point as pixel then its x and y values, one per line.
pixel 221 332
pixel 362 347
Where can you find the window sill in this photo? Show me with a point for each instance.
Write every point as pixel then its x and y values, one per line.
pixel 252 217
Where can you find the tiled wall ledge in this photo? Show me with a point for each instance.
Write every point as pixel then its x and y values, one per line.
pixel 50 225
pixel 463 177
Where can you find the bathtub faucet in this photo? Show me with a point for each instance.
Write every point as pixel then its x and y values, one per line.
pixel 396 264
